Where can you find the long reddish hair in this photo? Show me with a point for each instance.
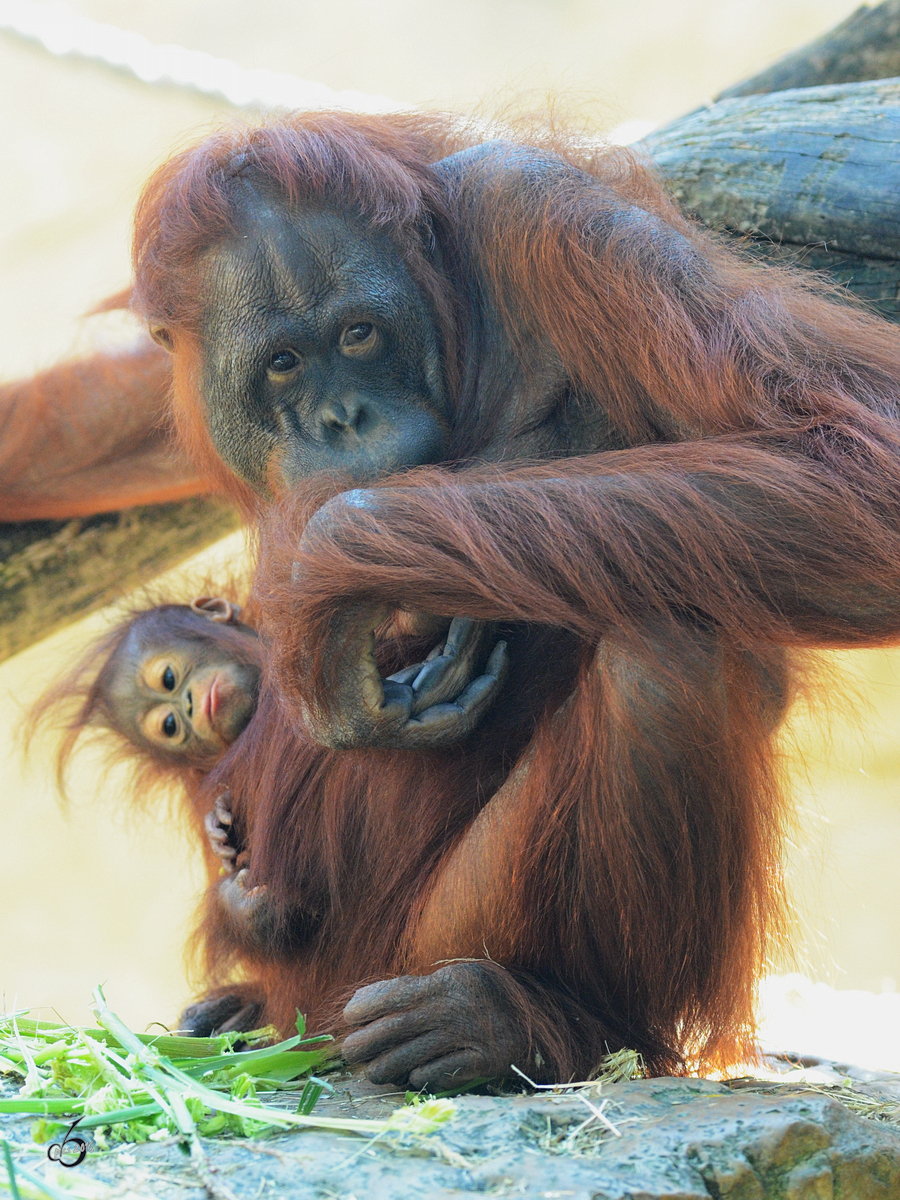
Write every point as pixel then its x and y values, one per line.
pixel 751 504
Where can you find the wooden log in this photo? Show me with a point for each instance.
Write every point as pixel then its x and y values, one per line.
pixel 864 46
pixel 809 166
pixel 53 572
pixel 810 176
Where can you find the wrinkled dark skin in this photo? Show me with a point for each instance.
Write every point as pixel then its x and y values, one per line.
pixel 321 355
pixel 433 703
pixel 228 1011
pixel 433 1032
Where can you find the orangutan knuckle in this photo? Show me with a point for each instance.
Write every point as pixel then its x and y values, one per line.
pixel 338 513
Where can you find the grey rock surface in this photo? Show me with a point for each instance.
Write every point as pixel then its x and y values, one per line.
pixel 679 1139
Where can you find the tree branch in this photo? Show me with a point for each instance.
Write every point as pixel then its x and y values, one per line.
pixel 864 46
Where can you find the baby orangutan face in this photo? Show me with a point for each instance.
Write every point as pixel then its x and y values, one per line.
pixel 185 682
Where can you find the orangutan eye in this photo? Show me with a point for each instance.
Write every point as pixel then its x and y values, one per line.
pixel 170 726
pixel 284 362
pixel 168 680
pixel 360 339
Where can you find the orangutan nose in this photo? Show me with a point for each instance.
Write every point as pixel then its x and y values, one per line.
pixel 346 415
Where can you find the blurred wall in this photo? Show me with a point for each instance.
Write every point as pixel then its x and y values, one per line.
pixel 86 898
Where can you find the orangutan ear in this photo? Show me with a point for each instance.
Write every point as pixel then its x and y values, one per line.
pixel 162 337
pixel 214 608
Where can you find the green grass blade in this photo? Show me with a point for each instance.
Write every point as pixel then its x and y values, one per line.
pixel 120 1115
pixel 126 1072
pixel 309 1097
pixel 10 1171
pixel 42 1106
pixel 43 1185
pixel 277 1068
pixel 167 1043
pixel 259 1058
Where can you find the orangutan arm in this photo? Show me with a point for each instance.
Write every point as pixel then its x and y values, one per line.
pixel 89 437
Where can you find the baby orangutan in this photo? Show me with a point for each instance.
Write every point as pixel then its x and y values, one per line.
pixel 182 682
pixel 187 692
pixel 178 684
pixel 184 692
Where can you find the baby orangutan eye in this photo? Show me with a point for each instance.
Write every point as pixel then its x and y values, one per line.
pixel 164 726
pixel 359 340
pixel 168 679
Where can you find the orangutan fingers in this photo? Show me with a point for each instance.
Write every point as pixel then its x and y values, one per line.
pixel 397 1064
pixel 366 707
pixel 434 684
pixel 252 895
pixel 214 830
pixel 369 710
pixel 407 675
pixel 397 701
pixel 389 1033
pixel 498 664
pixel 223 809
pixel 454 1070
pixel 443 676
pixel 219 837
pixel 234 893
pixel 386 996
pixel 204 1017
pixel 253 916
pixel 240 889
pixel 243 1021
pixel 462 637
pixel 430 703
pixel 440 676
pixel 444 723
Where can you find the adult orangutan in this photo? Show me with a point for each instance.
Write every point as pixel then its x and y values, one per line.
pixel 649 468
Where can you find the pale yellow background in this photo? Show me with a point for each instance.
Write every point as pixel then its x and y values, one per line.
pixel 87 898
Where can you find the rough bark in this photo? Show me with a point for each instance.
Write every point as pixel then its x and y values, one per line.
pixel 809 176
pixel 53 572
pixel 864 46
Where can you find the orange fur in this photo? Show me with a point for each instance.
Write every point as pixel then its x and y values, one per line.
pixel 90 437
pixel 610 834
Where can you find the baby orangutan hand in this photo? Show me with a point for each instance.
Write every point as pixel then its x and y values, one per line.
pixel 220 832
